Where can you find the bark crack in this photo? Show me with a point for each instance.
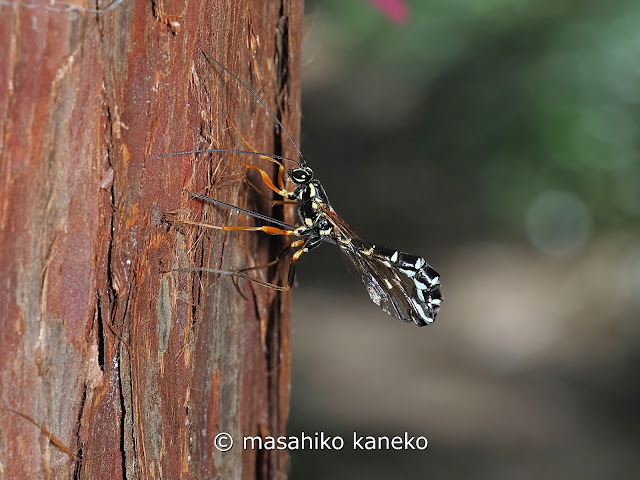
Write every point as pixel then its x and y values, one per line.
pixel 78 466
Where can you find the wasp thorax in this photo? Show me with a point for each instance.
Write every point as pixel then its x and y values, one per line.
pixel 300 175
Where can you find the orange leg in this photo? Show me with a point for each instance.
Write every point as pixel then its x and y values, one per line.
pixel 50 436
pixel 265 228
pixel 267 181
pixel 265 176
pixel 272 160
pixel 273 202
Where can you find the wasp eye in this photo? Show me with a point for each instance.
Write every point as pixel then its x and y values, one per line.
pixel 300 175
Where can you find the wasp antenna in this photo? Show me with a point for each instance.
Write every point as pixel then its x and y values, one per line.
pixel 223 150
pixel 255 95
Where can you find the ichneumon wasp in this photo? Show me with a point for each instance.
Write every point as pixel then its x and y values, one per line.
pixel 403 285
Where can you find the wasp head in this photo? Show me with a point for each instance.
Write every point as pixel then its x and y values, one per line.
pixel 300 175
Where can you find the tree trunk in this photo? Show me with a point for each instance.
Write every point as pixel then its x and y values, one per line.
pixel 110 367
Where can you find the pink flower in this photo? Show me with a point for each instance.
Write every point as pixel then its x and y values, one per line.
pixel 395 10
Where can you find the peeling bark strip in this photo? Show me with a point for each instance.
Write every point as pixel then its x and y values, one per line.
pixel 133 370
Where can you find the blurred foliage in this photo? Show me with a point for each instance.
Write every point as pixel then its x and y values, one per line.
pixel 480 106
pixel 477 123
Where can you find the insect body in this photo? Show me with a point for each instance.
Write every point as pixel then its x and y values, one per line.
pixel 403 285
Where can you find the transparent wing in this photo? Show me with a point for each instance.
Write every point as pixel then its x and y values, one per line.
pixel 403 285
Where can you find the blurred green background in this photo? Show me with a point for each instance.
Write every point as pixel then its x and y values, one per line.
pixel 500 140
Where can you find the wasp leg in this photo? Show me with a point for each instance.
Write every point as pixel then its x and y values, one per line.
pixel 265 228
pixel 261 193
pixel 50 436
pixel 275 261
pixel 264 157
pixel 266 179
pixel 280 256
pixel 309 244
pixel 242 272
pixel 265 176
pixel 306 244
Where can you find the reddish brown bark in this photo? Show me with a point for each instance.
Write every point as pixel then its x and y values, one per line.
pixel 135 369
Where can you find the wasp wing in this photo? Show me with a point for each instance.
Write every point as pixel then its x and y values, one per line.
pixel 403 285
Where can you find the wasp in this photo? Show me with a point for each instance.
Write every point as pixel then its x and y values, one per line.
pixel 402 284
